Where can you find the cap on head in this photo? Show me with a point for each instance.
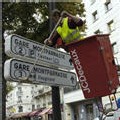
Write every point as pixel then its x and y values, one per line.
pixel 55 12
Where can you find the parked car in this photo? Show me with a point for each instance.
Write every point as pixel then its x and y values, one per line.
pixel 114 115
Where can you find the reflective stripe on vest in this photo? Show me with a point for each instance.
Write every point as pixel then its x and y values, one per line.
pixel 68 35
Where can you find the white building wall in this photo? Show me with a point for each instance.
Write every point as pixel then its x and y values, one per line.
pixel 38 96
pixel 26 93
pixel 42 96
pixel 68 112
pixel 74 96
pixel 12 103
pixel 103 18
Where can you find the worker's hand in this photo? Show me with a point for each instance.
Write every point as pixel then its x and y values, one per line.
pixel 64 14
pixel 47 42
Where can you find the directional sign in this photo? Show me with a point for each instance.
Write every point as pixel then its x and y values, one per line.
pixel 18 70
pixel 22 48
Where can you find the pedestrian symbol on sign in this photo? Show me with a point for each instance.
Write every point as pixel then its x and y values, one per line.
pixel 72 79
pixel 32 53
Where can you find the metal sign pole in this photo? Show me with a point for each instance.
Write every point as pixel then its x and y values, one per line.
pixel 3 85
pixel 2 80
pixel 56 103
pixel 55 90
pixel 18 70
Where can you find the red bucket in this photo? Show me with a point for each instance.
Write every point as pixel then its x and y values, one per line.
pixel 94 64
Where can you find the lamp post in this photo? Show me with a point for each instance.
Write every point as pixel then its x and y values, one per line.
pixel 55 90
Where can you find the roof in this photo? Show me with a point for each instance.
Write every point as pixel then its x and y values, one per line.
pixel 50 111
pixel 46 110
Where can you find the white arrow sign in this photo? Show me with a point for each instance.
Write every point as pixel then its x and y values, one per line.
pixel 18 70
pixel 23 48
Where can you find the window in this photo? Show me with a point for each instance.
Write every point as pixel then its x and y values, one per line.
pixel 89 112
pixel 50 102
pixel 38 106
pixel 20 108
pixel 44 105
pixel 95 16
pixel 19 93
pixel 33 107
pixel 27 96
pixel 20 89
pixel 114 48
pixel 32 91
pixel 98 32
pixel 19 99
pixel 108 5
pixel 93 1
pixel 110 26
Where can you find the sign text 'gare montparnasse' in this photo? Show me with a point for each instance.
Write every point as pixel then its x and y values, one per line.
pixel 17 46
pixel 17 70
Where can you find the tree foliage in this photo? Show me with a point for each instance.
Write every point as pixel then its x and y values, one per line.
pixel 18 17
pixel 9 87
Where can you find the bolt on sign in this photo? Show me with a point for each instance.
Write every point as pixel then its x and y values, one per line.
pixel 23 48
pixel 21 71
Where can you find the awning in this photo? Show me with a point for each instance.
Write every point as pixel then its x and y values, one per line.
pixel 46 110
pixel 35 112
pixel 50 111
pixel 20 115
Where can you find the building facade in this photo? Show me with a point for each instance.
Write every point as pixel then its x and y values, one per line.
pixel 102 17
pixel 20 99
pixel 76 107
pixel 25 98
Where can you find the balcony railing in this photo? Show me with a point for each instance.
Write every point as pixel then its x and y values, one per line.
pixel 19 101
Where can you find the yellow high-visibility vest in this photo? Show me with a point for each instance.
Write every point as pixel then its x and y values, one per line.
pixel 68 35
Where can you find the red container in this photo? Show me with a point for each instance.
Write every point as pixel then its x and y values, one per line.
pixel 94 64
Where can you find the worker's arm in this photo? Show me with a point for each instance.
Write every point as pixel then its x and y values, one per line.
pixel 54 38
pixel 52 41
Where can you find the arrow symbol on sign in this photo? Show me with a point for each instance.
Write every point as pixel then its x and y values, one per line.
pixel 33 76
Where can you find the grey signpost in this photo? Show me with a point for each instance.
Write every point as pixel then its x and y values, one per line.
pixel 18 71
pixel 23 48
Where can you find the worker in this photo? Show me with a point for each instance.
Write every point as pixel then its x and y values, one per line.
pixel 67 31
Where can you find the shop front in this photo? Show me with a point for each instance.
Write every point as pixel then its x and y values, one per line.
pixel 40 114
